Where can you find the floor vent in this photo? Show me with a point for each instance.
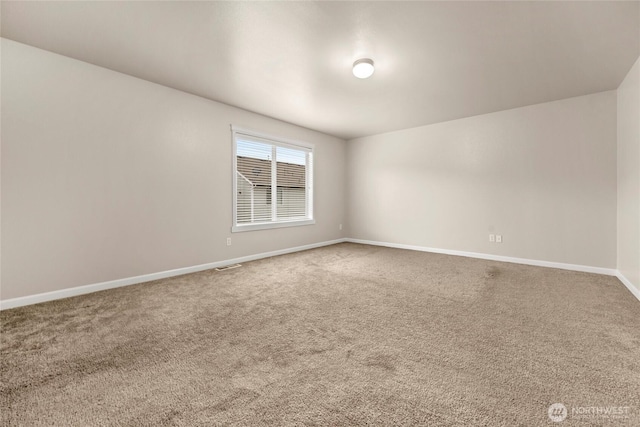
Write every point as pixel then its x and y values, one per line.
pixel 228 267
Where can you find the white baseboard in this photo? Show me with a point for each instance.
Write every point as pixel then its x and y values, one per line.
pixel 573 267
pixel 80 290
pixel 563 266
pixel 635 291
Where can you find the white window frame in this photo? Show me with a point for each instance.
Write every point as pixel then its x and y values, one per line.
pixel 274 141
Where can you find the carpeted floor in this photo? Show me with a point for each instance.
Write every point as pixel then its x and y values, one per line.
pixel 342 335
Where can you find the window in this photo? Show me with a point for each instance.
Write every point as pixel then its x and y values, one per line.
pixel 272 182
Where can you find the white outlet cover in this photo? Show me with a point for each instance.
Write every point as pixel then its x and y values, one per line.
pixel 498 238
pixel 492 237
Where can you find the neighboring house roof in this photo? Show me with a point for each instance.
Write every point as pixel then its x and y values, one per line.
pixel 259 172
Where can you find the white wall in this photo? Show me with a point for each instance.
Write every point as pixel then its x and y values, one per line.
pixel 106 176
pixel 543 176
pixel 629 176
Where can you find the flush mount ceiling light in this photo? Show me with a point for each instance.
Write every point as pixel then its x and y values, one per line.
pixel 363 68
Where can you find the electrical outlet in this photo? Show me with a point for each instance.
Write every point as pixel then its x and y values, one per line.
pixel 492 238
pixel 228 241
pixel 498 238
pixel 340 227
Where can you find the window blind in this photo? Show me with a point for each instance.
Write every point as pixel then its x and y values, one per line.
pixel 273 182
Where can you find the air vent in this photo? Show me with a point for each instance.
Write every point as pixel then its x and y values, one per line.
pixel 228 267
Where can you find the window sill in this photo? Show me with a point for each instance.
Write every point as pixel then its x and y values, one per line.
pixel 268 225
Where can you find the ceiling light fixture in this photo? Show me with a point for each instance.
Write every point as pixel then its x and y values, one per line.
pixel 363 68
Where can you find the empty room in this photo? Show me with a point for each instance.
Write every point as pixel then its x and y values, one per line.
pixel 328 213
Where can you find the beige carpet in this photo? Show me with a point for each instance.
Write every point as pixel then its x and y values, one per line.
pixel 341 335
